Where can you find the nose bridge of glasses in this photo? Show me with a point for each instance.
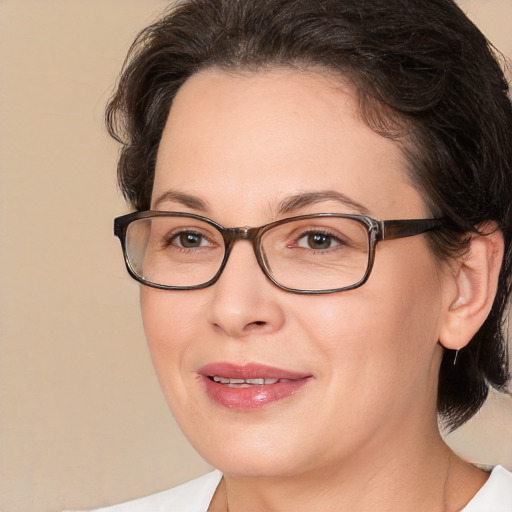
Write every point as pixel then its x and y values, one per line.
pixel 243 233
pixel 251 235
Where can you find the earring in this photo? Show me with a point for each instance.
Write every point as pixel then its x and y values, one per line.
pixel 460 340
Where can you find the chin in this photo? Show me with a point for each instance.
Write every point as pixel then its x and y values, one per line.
pixel 249 465
pixel 248 451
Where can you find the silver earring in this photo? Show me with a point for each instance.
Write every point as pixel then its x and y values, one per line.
pixel 455 358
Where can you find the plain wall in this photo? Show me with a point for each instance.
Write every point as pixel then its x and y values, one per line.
pixel 82 420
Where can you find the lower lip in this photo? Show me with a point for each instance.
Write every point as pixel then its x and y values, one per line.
pixel 253 397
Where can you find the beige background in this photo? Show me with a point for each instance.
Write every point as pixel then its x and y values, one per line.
pixel 83 422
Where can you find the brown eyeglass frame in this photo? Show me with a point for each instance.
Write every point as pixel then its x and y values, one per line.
pixel 377 231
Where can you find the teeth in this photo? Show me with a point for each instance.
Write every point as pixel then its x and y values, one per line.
pixel 222 380
pixel 255 381
pixel 247 382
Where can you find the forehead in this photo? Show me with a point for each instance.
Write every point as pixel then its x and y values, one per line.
pixel 245 136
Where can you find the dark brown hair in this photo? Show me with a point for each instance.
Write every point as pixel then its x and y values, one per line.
pixel 425 74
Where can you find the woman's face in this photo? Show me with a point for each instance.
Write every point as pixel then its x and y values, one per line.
pixel 362 363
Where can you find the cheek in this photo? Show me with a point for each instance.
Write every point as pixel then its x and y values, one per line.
pixel 168 316
pixel 168 320
pixel 156 317
pixel 405 318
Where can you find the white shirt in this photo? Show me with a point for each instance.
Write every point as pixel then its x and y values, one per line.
pixel 196 495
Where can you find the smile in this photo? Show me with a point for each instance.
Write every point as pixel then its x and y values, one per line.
pixel 251 386
pixel 245 383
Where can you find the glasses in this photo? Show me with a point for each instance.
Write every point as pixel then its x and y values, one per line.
pixel 311 254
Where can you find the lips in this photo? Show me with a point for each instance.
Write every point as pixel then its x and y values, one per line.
pixel 251 386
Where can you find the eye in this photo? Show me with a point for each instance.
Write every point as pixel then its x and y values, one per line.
pixel 317 241
pixel 188 240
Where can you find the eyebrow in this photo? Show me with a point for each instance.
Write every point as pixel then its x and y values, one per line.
pixel 182 198
pixel 287 205
pixel 302 200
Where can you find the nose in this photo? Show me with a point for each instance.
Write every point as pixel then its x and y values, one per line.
pixel 244 301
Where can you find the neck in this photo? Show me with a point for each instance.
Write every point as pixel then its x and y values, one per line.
pixel 423 478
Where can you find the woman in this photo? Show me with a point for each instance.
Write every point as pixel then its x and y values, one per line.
pixel 311 365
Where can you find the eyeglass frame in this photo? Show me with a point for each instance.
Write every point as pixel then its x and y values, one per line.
pixel 377 231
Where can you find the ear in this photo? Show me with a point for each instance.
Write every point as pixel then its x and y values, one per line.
pixel 476 279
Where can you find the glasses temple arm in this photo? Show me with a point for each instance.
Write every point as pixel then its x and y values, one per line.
pixel 403 228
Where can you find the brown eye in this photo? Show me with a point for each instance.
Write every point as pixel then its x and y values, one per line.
pixel 189 240
pixel 317 241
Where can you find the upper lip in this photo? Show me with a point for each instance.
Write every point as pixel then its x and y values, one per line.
pixel 249 371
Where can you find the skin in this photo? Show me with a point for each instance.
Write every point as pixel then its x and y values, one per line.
pixel 362 434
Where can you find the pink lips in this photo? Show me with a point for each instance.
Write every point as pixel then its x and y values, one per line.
pixel 251 386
